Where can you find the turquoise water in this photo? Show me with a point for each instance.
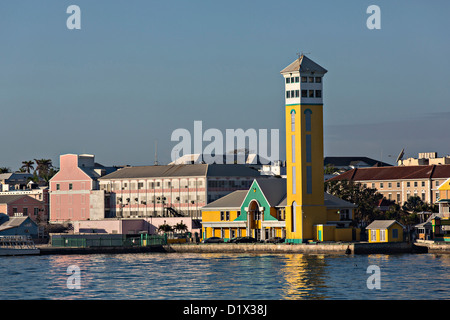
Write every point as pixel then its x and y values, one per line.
pixel 225 276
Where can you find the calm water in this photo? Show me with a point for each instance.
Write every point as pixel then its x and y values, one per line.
pixel 225 276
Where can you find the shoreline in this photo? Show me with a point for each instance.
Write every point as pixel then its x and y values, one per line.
pixel 323 248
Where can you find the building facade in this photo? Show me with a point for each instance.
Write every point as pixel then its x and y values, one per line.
pixel 17 205
pixel 171 190
pixel 401 182
pixel 260 212
pixel 74 190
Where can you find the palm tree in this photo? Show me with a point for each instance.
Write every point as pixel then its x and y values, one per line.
pixel 180 227
pixel 43 166
pixel 5 170
pixel 165 228
pixel 27 165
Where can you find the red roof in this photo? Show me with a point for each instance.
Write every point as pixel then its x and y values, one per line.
pixel 396 173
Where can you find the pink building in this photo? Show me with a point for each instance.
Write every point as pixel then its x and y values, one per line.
pixel 16 205
pixel 74 190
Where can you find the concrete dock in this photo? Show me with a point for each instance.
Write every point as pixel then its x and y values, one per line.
pixel 323 248
pixel 330 248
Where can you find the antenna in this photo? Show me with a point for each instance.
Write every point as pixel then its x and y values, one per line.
pixel 400 156
pixel 156 152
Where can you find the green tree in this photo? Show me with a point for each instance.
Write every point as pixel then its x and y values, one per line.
pixel 165 228
pixel 366 199
pixel 43 166
pixel 5 170
pixel 180 227
pixel 27 165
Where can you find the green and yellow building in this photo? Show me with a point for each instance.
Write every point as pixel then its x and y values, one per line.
pixel 293 208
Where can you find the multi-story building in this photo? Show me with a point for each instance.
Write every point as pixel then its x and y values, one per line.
pixel 21 205
pixel 401 182
pixel 74 190
pixel 177 190
pixel 424 159
pixel 38 193
pixel 14 180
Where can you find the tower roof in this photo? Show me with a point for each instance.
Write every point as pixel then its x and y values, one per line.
pixel 304 64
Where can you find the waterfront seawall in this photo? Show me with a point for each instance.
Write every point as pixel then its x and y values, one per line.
pixel 330 248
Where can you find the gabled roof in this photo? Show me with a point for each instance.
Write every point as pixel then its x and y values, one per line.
pixel 13 197
pixel 304 64
pixel 183 170
pixel 14 222
pixel 335 202
pixel 231 200
pixel 274 190
pixel 353 161
pixel 382 224
pixel 395 173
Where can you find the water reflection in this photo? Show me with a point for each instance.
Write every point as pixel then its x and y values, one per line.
pixel 304 277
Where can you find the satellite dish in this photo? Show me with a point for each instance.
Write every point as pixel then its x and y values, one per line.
pixel 400 155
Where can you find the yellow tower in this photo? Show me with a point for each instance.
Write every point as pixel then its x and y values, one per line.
pixel 304 149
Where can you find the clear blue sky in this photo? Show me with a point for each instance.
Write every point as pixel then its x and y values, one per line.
pixel 137 70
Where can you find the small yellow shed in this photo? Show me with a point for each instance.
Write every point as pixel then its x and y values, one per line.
pixel 385 231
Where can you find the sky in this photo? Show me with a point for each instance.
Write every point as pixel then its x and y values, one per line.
pixel 138 70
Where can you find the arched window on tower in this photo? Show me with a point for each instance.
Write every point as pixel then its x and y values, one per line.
pixel 292 120
pixel 308 113
pixel 294 217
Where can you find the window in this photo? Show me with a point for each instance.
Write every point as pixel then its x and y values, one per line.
pixel 58 186
pixel 398 184
pixel 294 183
pixel 293 148
pixel 292 120
pixel 238 213
pixel 311 93
pixel 70 186
pixel 140 185
pixel 423 183
pixel 373 185
pixel 294 216
pixel 389 185
pixel 288 80
pixel 423 196
pixel 395 233
pixel 227 215
pixel 381 185
pixel 382 235
pixel 373 234
pixel 318 80
pixel 222 215
pixel 36 211
pixel 304 93
pixel 292 93
pixel 311 79
pixel 318 93
pixel 408 184
pixel 415 183
pixel 288 94
pixel 25 211
pixel 297 93
pixel 308 148
pixel 398 198
pixel 308 113
pixel 304 79
pixel 297 79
